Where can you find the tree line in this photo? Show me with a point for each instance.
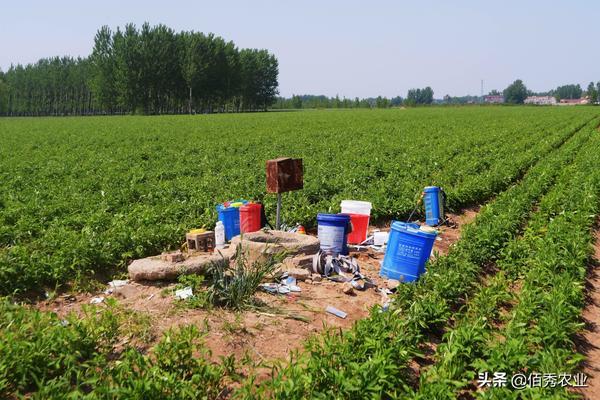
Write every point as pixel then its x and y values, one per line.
pixel 517 92
pixel 314 101
pixel 152 70
pixel 414 97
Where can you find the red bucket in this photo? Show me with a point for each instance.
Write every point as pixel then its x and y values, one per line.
pixel 360 227
pixel 250 217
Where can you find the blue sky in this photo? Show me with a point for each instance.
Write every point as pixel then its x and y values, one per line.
pixel 351 48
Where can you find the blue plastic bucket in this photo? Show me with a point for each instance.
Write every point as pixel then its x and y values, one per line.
pixel 407 252
pixel 230 217
pixel 434 205
pixel 333 230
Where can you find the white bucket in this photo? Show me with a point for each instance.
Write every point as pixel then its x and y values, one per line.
pixel 356 207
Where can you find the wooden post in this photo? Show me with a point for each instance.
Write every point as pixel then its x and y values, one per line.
pixel 278 219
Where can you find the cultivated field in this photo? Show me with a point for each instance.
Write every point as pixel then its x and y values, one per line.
pixel 80 197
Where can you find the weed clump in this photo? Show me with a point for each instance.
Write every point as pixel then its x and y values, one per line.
pixel 231 285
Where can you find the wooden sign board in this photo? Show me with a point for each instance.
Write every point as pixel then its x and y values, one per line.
pixel 284 175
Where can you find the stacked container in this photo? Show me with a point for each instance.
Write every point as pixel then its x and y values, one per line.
pixel 360 214
pixel 229 215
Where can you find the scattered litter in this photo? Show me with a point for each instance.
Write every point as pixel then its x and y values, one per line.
pixel 68 297
pixel 364 245
pixel 288 284
pixel 115 284
pixel 392 284
pixel 269 287
pixel 358 285
pixel 385 299
pixel 64 322
pixel 184 293
pixel 347 288
pixel 338 268
pixel 379 249
pixel 282 289
pixel 380 238
pixel 97 300
pixel 275 288
pixel 292 229
pixel 290 280
pixel 428 229
pixel 336 312
pixel 150 297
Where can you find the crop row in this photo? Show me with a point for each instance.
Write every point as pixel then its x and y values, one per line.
pixel 52 358
pixel 542 273
pixel 46 357
pixel 540 329
pixel 85 195
pixel 372 359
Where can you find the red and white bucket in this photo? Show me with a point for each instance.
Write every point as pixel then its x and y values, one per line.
pixel 360 214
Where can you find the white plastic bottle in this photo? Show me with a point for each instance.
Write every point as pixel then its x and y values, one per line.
pixel 219 235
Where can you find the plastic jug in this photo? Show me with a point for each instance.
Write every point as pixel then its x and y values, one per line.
pixel 219 235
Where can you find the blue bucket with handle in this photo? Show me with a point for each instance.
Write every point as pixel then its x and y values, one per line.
pixel 333 232
pixel 407 252
pixel 433 197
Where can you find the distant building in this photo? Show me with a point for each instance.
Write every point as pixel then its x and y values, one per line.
pixel 493 99
pixel 574 102
pixel 541 100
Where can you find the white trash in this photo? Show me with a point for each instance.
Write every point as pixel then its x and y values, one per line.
pixel 380 238
pixel 117 283
pixel 184 293
pixel 97 300
pixel 337 312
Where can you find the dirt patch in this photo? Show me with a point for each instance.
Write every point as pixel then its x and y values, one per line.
pixel 264 335
pixel 589 345
pixel 450 232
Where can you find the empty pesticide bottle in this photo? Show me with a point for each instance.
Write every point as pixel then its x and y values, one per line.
pixel 219 235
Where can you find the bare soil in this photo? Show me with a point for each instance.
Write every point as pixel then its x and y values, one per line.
pixel 589 343
pixel 264 336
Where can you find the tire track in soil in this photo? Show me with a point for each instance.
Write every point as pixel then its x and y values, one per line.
pixel 589 342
